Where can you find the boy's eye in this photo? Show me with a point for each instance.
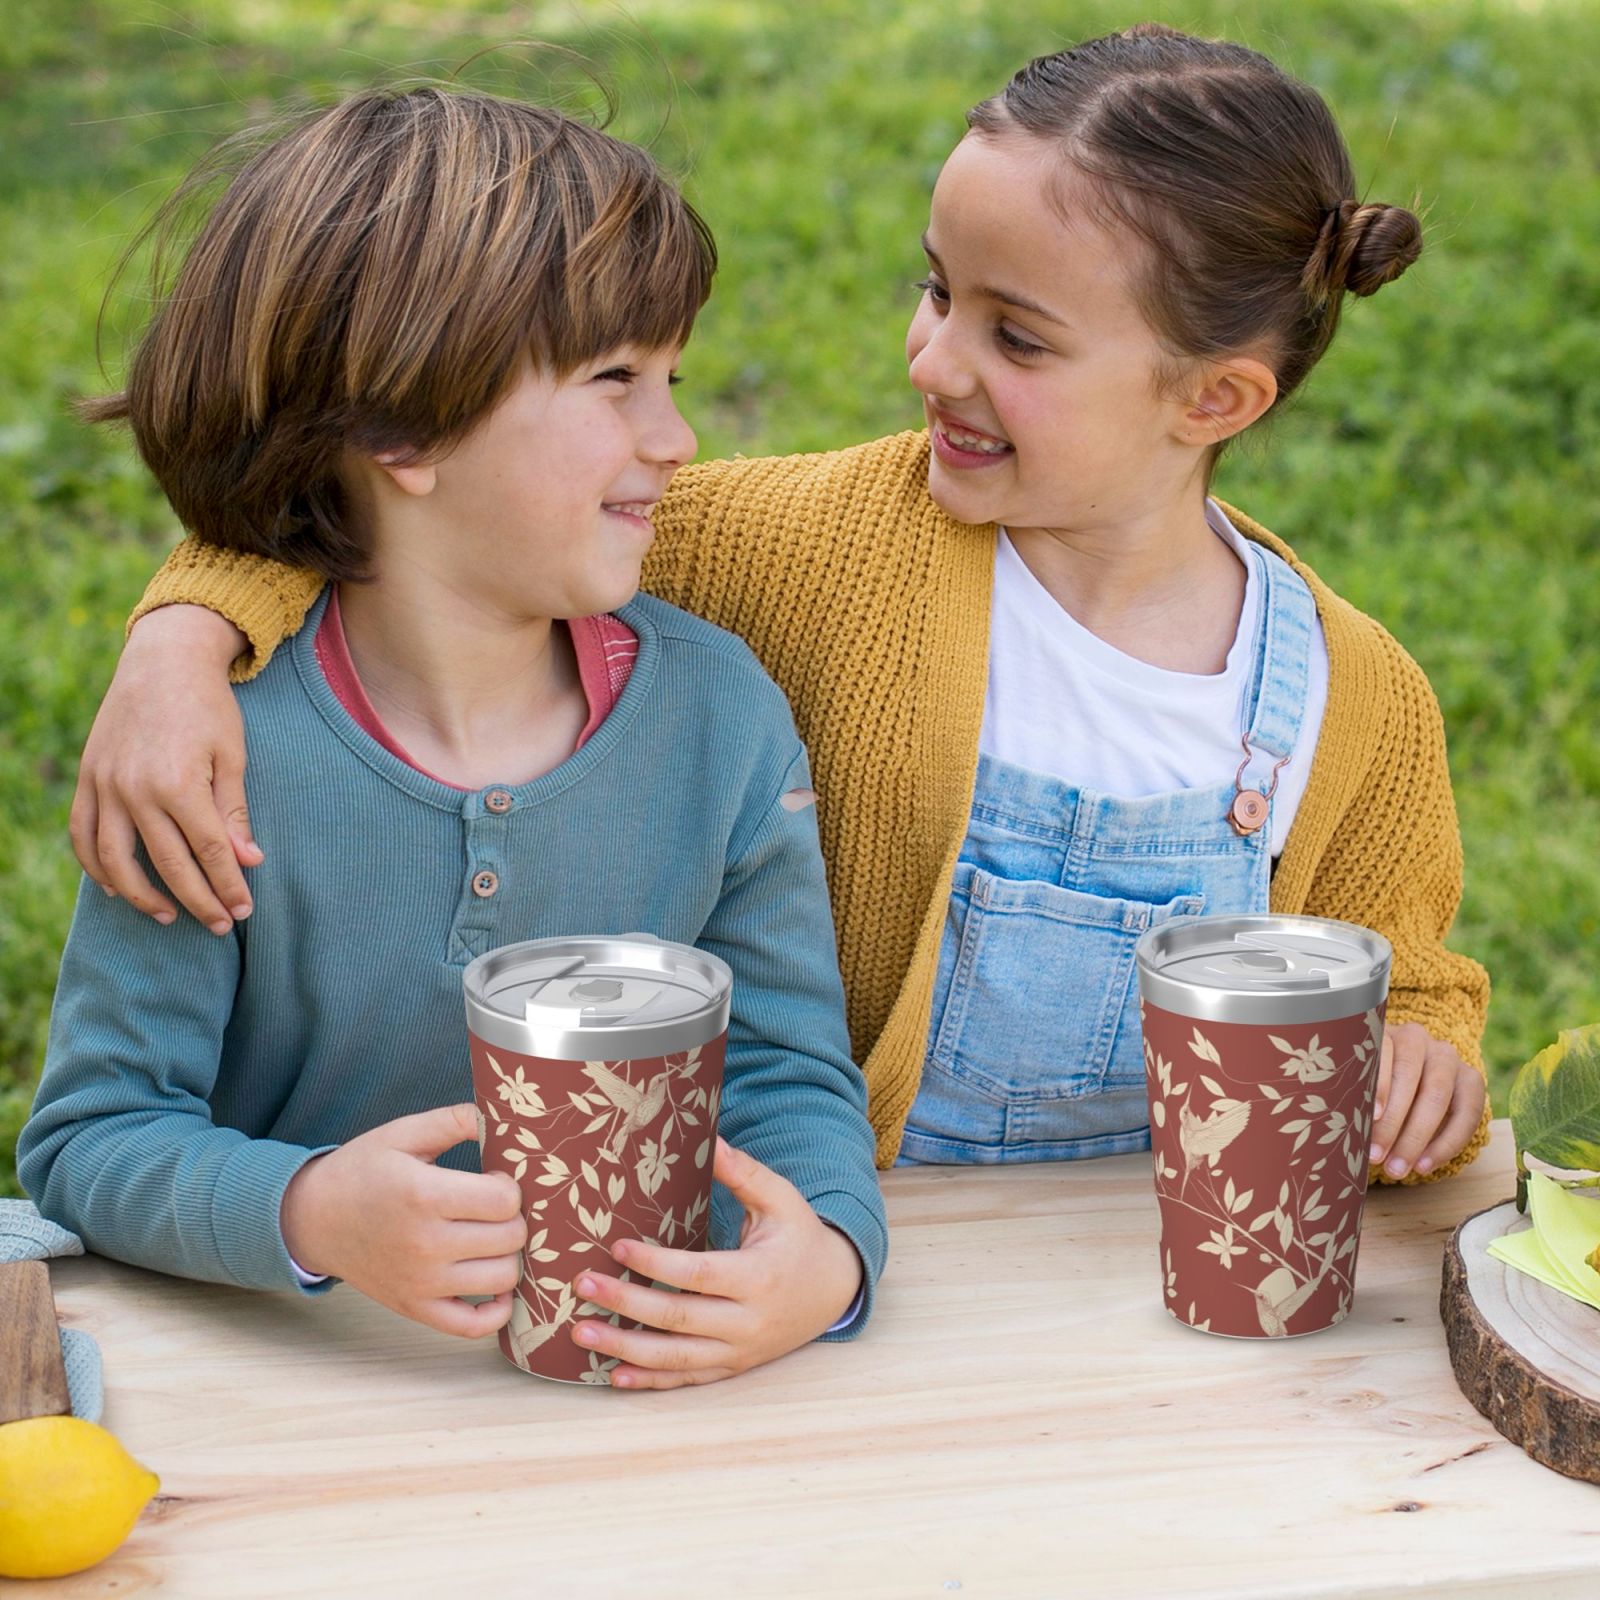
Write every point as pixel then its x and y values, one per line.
pixel 616 375
pixel 934 290
pixel 1018 347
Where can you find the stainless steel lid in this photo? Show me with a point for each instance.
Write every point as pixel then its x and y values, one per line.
pixel 1263 968
pixel 615 999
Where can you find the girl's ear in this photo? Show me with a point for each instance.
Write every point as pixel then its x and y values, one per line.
pixel 1235 393
pixel 409 477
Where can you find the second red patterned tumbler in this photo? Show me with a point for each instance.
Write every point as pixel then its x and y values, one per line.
pixel 1261 1045
pixel 597 1072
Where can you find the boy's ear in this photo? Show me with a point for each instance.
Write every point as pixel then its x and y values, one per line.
pixel 1235 393
pixel 409 477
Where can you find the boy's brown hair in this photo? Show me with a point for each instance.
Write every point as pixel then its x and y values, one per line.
pixel 376 279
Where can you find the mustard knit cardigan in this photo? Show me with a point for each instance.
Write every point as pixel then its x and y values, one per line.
pixel 870 607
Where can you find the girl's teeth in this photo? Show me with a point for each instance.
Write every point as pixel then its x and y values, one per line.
pixel 974 441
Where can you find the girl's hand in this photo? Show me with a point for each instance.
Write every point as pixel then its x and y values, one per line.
pixel 1429 1102
pixel 413 1236
pixel 165 761
pixel 790 1279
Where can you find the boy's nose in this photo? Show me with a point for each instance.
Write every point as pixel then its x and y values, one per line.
pixel 669 440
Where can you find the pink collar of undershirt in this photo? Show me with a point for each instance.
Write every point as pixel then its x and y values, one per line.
pixel 605 647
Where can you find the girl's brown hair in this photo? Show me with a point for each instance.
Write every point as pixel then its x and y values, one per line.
pixel 375 279
pixel 1233 173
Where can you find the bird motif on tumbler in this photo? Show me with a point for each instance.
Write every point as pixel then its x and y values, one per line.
pixel 1201 1138
pixel 640 1107
pixel 1278 1297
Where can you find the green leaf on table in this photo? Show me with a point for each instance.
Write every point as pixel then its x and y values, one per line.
pixel 1555 1102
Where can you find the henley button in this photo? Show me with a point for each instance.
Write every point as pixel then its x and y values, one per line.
pixel 485 884
pixel 497 801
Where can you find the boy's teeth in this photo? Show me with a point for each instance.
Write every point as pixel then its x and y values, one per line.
pixel 974 441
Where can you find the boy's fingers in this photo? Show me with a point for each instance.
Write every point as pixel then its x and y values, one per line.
pixel 709 1316
pixel 713 1272
pixel 626 1377
pixel 428 1134
pixel 114 837
pixel 477 1241
pixel 464 1320
pixel 657 1352
pixel 1466 1112
pixel 492 1275
pixel 756 1187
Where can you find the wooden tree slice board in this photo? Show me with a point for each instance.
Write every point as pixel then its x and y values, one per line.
pixel 33 1380
pixel 1525 1355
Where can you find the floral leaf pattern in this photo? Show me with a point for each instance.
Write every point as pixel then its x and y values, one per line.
pixel 1260 1152
pixel 602 1150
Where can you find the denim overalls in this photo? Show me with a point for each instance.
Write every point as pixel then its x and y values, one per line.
pixel 1034 1049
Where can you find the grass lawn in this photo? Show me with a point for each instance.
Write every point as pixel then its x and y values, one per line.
pixel 1438 470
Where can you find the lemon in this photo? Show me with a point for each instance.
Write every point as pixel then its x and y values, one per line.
pixel 69 1495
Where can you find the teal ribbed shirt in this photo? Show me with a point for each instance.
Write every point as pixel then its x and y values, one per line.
pixel 188 1077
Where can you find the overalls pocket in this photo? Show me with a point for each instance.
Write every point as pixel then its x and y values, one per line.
pixel 1039 1016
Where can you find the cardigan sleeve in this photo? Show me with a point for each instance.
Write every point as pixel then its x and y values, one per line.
pixel 1394 863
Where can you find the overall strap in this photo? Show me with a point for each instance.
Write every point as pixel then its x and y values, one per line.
pixel 1278 688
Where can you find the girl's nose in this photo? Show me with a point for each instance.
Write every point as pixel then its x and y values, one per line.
pixel 937 365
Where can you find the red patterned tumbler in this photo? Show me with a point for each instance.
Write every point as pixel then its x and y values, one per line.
pixel 1261 1045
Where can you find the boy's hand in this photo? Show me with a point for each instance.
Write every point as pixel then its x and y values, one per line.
pixel 412 1236
pixel 165 763
pixel 791 1278
pixel 1429 1101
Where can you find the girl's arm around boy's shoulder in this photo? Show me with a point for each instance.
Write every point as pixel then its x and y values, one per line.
pixel 121 1147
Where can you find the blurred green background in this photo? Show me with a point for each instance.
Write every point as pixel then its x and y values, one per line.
pixel 1438 469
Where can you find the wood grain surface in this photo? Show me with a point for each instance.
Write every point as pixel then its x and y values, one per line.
pixel 1021 1419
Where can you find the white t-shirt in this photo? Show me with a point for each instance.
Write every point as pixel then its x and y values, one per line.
pixel 1064 702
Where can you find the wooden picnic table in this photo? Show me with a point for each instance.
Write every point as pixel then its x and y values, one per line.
pixel 1022 1418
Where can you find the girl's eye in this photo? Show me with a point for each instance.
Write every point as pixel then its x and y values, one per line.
pixel 934 290
pixel 1017 347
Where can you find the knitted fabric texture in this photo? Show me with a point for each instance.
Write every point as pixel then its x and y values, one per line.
pixel 870 607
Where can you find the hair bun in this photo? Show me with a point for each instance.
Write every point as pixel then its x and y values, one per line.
pixel 1361 248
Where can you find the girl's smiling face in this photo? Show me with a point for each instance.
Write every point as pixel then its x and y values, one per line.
pixel 1038 371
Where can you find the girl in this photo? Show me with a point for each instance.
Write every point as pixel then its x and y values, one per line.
pixel 1055 693
pixel 423 345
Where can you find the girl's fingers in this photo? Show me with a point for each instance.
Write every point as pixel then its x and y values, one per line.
pixel 707 1316
pixel 83 825
pixel 711 1272
pixel 209 882
pixel 1466 1112
pixel 1429 1107
pixel 169 853
pixel 655 1352
pixel 1385 1072
pixel 114 838
pixel 1410 1047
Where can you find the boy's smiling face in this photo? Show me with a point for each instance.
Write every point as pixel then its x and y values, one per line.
pixel 542 509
